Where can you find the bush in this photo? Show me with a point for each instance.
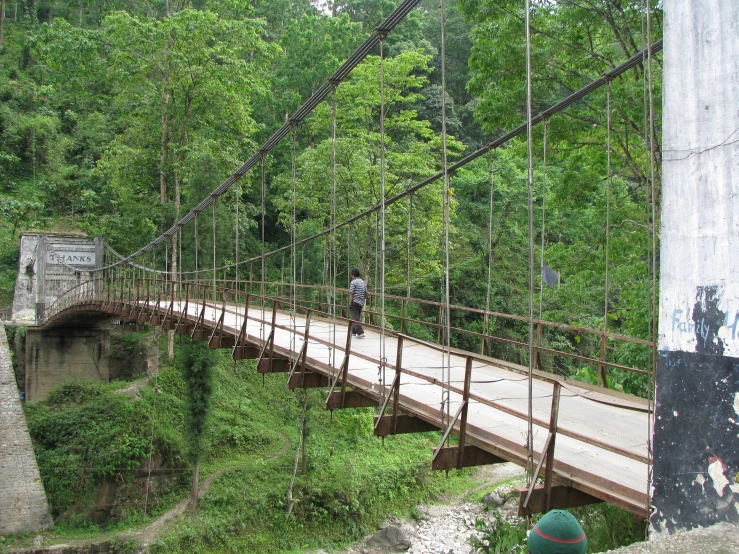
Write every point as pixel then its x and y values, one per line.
pixel 499 536
pixel 84 433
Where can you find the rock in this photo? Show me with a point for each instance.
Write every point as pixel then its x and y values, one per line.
pixel 38 541
pixel 492 499
pixel 390 538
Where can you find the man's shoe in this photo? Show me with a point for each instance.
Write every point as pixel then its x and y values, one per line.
pixel 360 336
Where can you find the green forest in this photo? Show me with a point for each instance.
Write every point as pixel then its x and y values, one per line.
pixel 118 117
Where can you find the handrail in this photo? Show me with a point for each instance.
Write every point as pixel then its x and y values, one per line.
pixel 122 287
pixel 481 311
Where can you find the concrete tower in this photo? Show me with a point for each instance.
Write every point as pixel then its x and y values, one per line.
pixel 696 432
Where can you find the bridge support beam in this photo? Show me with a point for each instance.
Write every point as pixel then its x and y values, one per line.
pixel 310 380
pixel 447 458
pixel 246 352
pixel 561 498
pixel 275 365
pixel 353 399
pixel 405 424
pixel 224 341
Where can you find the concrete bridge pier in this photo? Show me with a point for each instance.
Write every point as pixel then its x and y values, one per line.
pixel 696 428
pixel 56 353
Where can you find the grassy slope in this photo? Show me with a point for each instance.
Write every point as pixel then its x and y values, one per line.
pixel 353 480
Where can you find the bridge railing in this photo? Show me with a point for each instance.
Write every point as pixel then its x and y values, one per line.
pixel 491 333
pixel 558 347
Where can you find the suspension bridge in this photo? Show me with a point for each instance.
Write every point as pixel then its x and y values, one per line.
pixel 581 443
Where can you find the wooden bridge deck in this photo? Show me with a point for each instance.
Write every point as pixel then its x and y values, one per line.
pixel 601 444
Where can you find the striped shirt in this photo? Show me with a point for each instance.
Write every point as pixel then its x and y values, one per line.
pixel 359 289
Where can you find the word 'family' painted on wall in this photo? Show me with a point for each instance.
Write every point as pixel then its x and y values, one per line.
pixel 681 323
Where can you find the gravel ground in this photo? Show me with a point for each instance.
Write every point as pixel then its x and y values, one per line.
pixel 445 529
pixel 719 539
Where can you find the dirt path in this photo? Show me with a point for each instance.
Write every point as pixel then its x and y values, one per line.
pixel 149 534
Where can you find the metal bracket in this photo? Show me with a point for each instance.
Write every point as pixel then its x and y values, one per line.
pixel 547 454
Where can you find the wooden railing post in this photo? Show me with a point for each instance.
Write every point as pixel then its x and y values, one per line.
pixel 549 472
pixel 537 359
pixel 602 373
pixel 465 405
pixel 484 347
pixel 345 365
pixel 547 454
pixel 396 388
pixel 441 323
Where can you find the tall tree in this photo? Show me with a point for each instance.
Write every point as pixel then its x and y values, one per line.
pixel 196 363
pixel 412 153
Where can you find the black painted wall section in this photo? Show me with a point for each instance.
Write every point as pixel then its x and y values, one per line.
pixel 696 433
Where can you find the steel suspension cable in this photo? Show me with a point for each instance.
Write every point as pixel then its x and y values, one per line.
pixel 529 137
pixel 332 258
pixel 196 252
pixel 410 245
pixel 236 248
pixel 293 234
pixel 490 240
pixel 447 354
pixel 499 141
pixel 608 203
pixel 650 269
pixel 655 315
pixel 264 274
pixel 179 255
pixel 496 143
pixel 543 218
pixel 377 247
pixel 215 297
pixel 383 354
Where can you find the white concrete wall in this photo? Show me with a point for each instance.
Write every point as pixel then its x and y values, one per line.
pixel 700 195
pixel 696 458
pixel 24 297
pixel 42 282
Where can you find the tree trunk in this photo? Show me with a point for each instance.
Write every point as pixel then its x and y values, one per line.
pixel 164 152
pixel 193 505
pixel 304 463
pixel 2 20
pixel 174 268
pixel 290 499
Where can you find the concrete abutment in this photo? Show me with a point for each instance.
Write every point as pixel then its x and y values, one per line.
pixel 54 354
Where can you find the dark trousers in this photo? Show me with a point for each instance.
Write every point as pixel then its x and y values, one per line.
pixel 356 311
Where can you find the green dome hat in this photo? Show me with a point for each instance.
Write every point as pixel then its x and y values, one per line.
pixel 558 532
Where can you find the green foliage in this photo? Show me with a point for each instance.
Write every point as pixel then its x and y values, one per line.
pixel 84 433
pixel 196 362
pixel 499 536
pixel 75 391
pixel 17 211
pixel 608 527
pixel 353 480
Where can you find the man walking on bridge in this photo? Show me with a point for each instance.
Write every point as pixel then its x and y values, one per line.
pixel 357 293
